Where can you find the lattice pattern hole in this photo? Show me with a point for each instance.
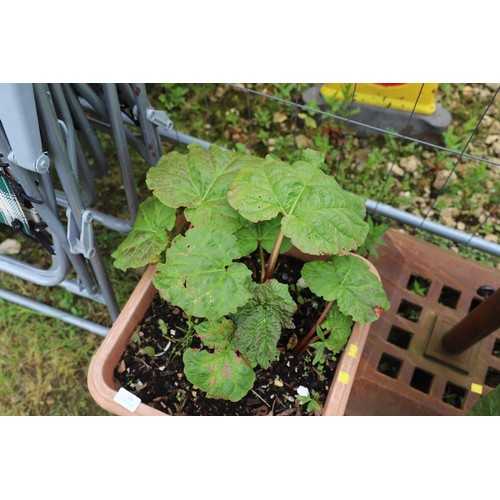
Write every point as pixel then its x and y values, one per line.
pixel 389 365
pixel 454 395
pixel 421 380
pixel 449 297
pixel 419 285
pixel 475 302
pixel 399 337
pixel 496 349
pixel 492 378
pixel 409 311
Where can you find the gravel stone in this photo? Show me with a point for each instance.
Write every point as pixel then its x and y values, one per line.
pixel 409 164
pixel 396 169
pixel 442 178
pixel 491 139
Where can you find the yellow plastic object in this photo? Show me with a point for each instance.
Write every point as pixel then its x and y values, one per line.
pixel 400 96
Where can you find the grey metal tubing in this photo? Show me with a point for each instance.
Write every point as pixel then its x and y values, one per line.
pixel 92 102
pixel 59 265
pixel 132 139
pixel 118 131
pixel 109 221
pixel 183 138
pixel 41 308
pixel 18 114
pixel 92 98
pixel 127 93
pixel 86 173
pixel 68 181
pixel 55 225
pixel 112 222
pixel 58 151
pixel 70 187
pixel 84 180
pixel 76 288
pixel 28 272
pixel 151 138
pixel 61 106
pixel 433 227
pixel 101 275
pixel 101 165
pixel 105 127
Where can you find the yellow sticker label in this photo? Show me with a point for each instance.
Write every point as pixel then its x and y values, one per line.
pixel 343 377
pixel 478 389
pixel 353 351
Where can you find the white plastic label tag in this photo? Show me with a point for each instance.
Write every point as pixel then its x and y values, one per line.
pixel 127 399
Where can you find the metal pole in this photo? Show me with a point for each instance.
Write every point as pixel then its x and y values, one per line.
pixel 100 165
pixel 54 313
pixel 478 324
pixel 118 130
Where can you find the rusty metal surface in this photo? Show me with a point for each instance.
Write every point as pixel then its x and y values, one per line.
pixel 403 371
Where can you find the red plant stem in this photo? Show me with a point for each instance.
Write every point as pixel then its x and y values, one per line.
pixel 262 264
pixel 273 258
pixel 303 344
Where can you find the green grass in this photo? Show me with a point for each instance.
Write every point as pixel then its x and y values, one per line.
pixel 44 361
pixel 43 364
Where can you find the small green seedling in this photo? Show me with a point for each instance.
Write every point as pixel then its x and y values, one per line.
pixel 310 399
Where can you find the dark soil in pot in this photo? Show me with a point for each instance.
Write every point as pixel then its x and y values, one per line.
pixel 152 367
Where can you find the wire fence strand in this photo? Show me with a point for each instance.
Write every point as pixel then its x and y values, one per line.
pixel 440 192
pixel 398 152
pixel 366 125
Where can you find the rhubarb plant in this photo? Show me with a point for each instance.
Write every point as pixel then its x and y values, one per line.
pixel 235 205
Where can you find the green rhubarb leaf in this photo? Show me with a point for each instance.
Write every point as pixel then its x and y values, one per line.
pixel 199 181
pixel 339 327
pixel 488 405
pixel 318 215
pixel 216 334
pixel 149 236
pixel 222 374
pixel 312 157
pixel 272 295
pixel 260 321
pixel 257 337
pixel 265 232
pixel 200 277
pixel 348 280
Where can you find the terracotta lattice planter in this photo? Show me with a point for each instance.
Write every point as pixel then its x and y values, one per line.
pixel 104 389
